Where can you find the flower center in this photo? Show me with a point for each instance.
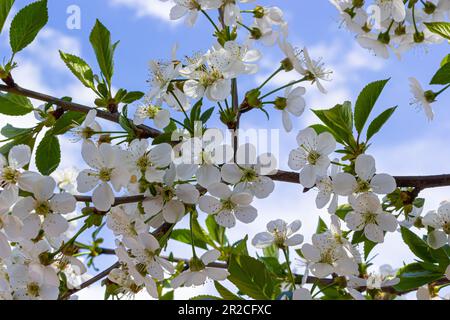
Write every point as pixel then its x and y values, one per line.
pixel 42 208
pixel 196 265
pixel 10 175
pixel 363 186
pixel 33 289
pixel 370 217
pixel 168 194
pixel 228 205
pixel 249 175
pixel 151 111
pixel 143 162
pixel 105 174
pixel 313 157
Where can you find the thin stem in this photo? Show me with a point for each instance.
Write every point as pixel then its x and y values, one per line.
pixel 283 87
pixel 194 254
pixel 211 20
pixel 179 103
pixel 270 78
pixel 291 275
pixel 442 90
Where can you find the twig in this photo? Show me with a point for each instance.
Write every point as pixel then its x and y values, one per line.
pixel 147 132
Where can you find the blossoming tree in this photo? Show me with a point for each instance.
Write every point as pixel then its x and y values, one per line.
pixel 156 170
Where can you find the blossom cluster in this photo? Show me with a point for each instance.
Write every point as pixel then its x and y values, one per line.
pixel 392 25
pixel 142 189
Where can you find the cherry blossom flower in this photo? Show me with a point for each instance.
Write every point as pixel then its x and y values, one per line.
pixel 422 99
pixel 292 104
pixel 440 221
pixel 199 272
pixel 44 209
pixel 346 184
pixel 227 205
pixel 107 166
pixel 280 234
pixel 325 256
pixel 12 174
pixel 368 216
pixel 160 117
pixel 311 157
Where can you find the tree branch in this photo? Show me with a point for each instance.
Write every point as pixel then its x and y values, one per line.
pixel 118 200
pixel 419 182
pixel 72 106
pixel 158 233
pixel 310 280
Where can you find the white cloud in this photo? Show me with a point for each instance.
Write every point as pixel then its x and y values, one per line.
pixel 148 8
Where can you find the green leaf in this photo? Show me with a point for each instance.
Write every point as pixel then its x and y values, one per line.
pixel 27 139
pixel 132 96
pixel 339 121
pixel 5 8
pixel 439 28
pixel 205 297
pixel 416 245
pixel 100 39
pixel 442 76
pixel 225 293
pixel 321 226
pixel 167 296
pixel 14 105
pixel 26 25
pixel 206 115
pixel 9 131
pixel 184 235
pixel 79 68
pixel 379 121
pixel 252 277
pixel 368 247
pixel 199 233
pixel 67 121
pixel 273 265
pixel 48 154
pixel 240 247
pixel 271 251
pixel 216 232
pixel 445 60
pixel 413 276
pixel 366 101
pixel 342 211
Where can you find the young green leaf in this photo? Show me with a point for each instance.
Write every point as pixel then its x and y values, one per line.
pixel 48 154
pixel 100 39
pixel 413 276
pixel 252 278
pixel 67 121
pixel 131 97
pixel 225 293
pixel 416 245
pixel 184 235
pixel 14 105
pixel 10 131
pixel 439 28
pixel 26 25
pixel 442 76
pixel 366 101
pixel 5 8
pixel 378 122
pixel 79 68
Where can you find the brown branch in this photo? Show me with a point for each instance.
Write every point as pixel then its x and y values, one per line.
pixel 158 233
pixel 419 182
pixel 118 200
pixel 146 132
pixel 310 279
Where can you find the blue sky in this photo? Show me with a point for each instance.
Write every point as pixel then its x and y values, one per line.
pixel 408 145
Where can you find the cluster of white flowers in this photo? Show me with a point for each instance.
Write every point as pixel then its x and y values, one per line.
pixel 397 25
pixel 196 168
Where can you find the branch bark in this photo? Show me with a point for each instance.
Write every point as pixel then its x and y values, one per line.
pixel 72 106
pixel 310 279
pixel 158 233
